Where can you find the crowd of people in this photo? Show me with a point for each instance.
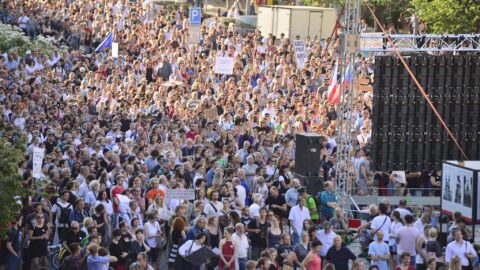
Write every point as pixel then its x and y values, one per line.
pixel 120 132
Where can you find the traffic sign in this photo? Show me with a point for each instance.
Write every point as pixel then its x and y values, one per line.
pixel 195 33
pixel 195 17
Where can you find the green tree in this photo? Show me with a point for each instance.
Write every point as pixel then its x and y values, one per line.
pixel 10 181
pixel 449 16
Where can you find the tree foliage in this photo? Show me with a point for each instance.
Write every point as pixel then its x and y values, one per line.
pixel 10 181
pixel 441 16
pixel 449 16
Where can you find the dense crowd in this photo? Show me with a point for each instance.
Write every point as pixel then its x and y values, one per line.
pixel 120 132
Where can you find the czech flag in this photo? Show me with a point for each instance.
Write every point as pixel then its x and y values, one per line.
pixel 333 91
pixel 337 89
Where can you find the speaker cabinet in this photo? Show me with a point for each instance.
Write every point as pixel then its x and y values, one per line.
pixel 307 154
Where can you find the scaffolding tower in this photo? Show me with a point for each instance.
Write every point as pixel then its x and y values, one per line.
pixel 344 136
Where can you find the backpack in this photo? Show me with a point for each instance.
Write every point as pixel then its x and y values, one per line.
pixel 319 201
pixel 316 200
pixel 64 217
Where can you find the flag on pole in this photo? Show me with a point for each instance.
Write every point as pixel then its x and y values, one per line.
pixel 349 74
pixel 333 88
pixel 107 42
pixel 346 81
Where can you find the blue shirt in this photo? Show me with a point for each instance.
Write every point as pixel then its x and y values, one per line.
pixel 210 175
pixel 97 262
pixel 243 182
pixel 193 232
pixel 379 249
pixel 328 197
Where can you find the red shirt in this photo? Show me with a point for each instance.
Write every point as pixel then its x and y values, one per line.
pixel 192 134
pixel 115 191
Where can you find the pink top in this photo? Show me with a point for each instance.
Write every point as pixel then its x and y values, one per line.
pixel 315 263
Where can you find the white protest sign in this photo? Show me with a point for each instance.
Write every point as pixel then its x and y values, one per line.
pixel 164 214
pixel 194 34
pixel 115 49
pixel 38 154
pixel 224 65
pixel 300 53
pixel 123 198
pixel 181 194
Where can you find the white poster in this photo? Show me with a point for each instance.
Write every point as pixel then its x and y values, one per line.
pixel 123 199
pixel 300 53
pixel 457 188
pixel 38 154
pixel 181 194
pixel 114 49
pixel 224 65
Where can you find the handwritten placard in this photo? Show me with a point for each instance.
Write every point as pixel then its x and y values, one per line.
pixel 300 53
pixel 224 65
pixel 211 113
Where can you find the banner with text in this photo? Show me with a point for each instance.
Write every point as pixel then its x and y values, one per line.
pixel 300 53
pixel 181 194
pixel 38 154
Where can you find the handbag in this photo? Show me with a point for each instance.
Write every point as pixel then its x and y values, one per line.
pixel 161 242
pixel 161 239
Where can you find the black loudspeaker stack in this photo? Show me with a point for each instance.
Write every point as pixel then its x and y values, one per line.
pixel 307 160
pixel 407 135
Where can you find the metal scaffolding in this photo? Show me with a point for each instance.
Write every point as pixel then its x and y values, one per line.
pixel 344 136
pixel 377 42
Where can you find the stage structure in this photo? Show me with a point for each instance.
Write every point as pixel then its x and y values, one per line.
pixel 355 42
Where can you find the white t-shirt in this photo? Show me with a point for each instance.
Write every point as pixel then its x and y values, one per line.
pixel 108 206
pixel 394 227
pixel 188 248
pixel 242 245
pixel 210 210
pixel 381 223
pixel 298 215
pixel 403 212
pixel 241 193
pixel 419 226
pixel 254 210
pixel 327 241
pixel 151 229
pixel 455 249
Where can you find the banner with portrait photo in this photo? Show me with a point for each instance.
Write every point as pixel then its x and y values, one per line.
pixel 457 190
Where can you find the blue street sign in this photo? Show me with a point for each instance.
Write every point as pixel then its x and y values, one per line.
pixel 195 17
